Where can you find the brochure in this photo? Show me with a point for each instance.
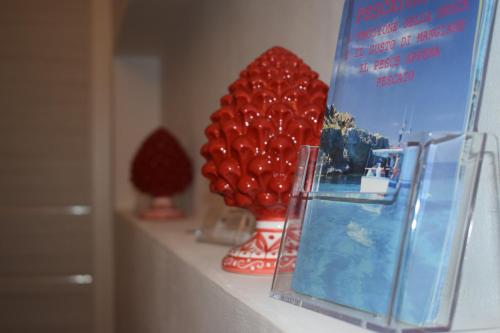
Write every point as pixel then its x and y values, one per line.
pixel 402 67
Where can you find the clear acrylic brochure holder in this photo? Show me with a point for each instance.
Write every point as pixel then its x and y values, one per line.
pixel 466 287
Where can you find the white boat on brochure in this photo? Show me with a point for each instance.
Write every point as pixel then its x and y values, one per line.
pixel 382 170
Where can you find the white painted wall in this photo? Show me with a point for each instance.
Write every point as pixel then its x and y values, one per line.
pixel 137 112
pixel 222 37
pixel 213 41
pixel 217 40
pixel 480 292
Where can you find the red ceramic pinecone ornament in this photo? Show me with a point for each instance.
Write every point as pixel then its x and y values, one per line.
pixel 274 108
pixel 161 168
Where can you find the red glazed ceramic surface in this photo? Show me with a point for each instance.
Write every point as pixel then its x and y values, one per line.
pixel 161 168
pixel 274 107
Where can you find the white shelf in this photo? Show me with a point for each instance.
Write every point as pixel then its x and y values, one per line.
pixel 168 282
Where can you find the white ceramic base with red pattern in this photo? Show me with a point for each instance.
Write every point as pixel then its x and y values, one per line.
pixel 258 255
pixel 289 250
pixel 162 208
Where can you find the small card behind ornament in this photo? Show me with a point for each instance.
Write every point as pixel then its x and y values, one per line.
pixel 227 226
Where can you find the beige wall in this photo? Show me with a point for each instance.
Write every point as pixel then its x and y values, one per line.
pixel 217 40
pixel 119 11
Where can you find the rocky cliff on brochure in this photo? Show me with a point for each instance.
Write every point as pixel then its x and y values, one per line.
pixel 345 146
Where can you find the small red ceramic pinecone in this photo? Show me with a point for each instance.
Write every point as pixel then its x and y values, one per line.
pixel 275 106
pixel 160 167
